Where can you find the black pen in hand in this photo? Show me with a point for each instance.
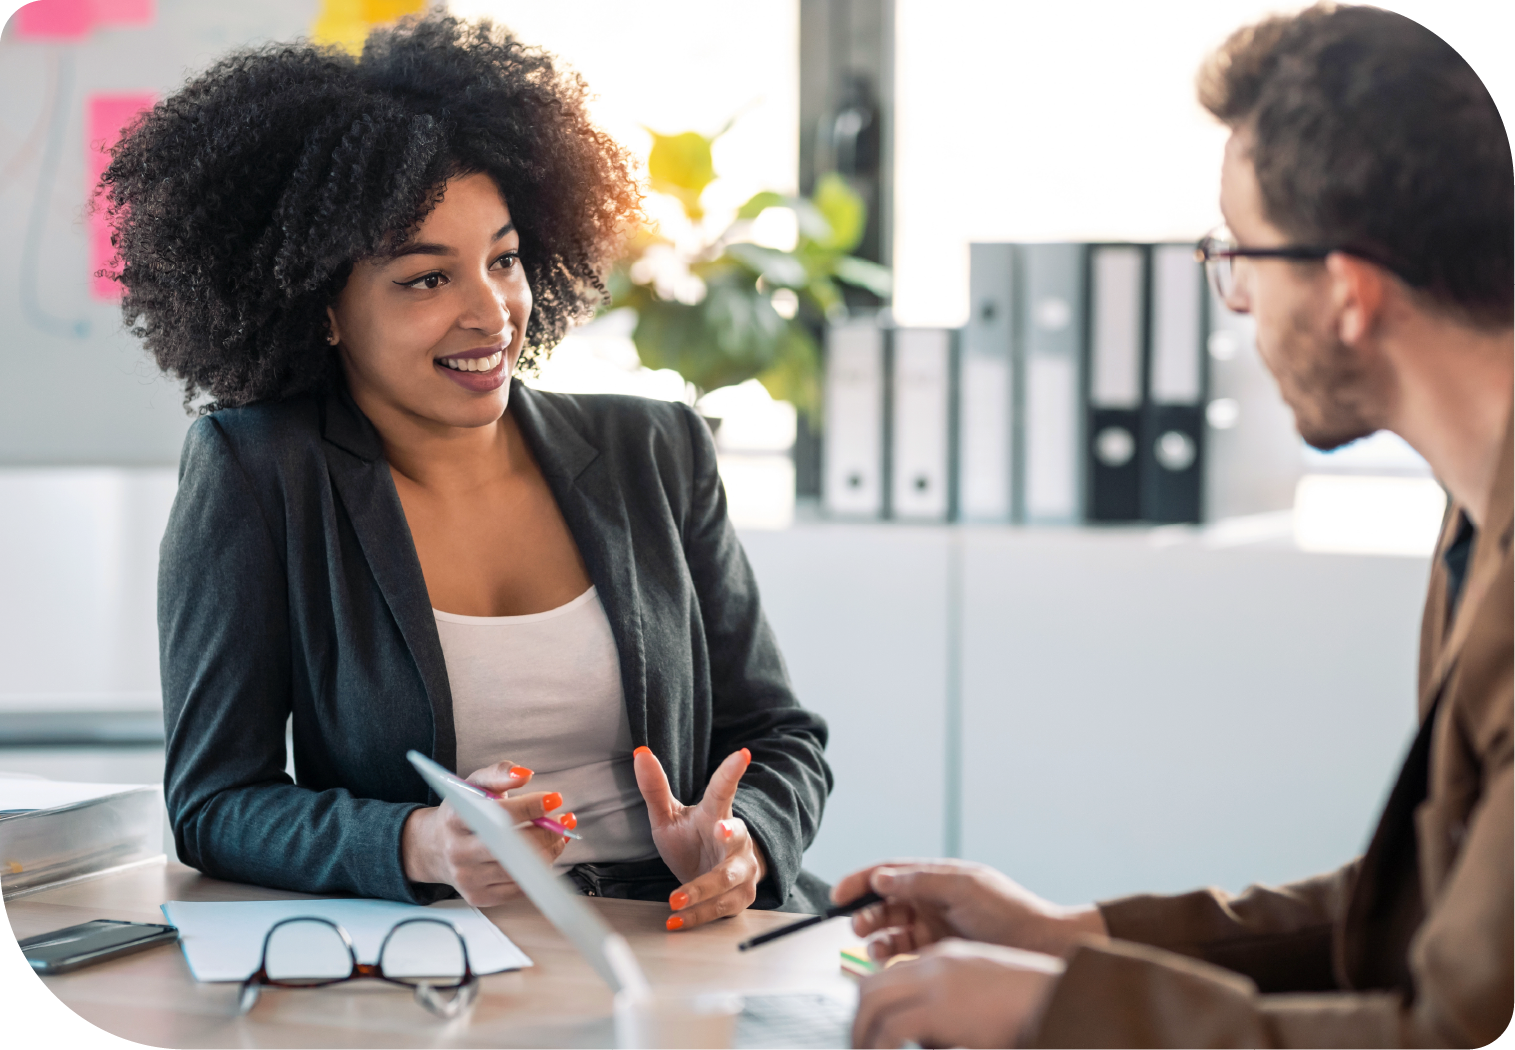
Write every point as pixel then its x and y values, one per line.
pixel 835 911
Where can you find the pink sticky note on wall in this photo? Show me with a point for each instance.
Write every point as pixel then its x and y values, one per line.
pixel 56 19
pixel 105 116
pixel 123 12
pixel 73 19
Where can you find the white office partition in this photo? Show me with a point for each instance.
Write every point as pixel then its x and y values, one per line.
pixel 79 580
pixel 1143 717
pixel 861 614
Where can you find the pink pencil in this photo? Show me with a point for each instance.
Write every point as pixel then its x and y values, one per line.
pixel 542 822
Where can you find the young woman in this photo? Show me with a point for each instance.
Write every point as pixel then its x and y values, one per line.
pixel 383 537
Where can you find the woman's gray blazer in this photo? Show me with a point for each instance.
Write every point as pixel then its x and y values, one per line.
pixel 289 585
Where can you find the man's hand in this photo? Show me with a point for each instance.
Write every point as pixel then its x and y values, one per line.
pixel 925 901
pixel 956 994
pixel 437 846
pixel 705 847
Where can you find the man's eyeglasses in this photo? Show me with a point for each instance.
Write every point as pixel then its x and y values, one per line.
pixel 427 955
pixel 1218 249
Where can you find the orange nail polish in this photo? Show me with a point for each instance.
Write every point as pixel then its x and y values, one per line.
pixel 643 748
pixel 746 754
pixel 569 821
pixel 520 772
pixel 678 900
pixel 726 831
pixel 675 922
pixel 552 800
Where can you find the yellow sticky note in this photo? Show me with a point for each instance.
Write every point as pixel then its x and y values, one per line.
pixel 377 12
pixel 346 23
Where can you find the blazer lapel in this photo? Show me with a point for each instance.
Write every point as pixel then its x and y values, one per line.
pixel 1433 622
pixel 596 515
pixel 1386 903
pixel 366 488
pixel 1482 574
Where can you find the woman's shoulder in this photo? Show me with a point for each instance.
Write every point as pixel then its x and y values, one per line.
pixel 265 437
pixel 624 424
pixel 610 413
pixel 647 448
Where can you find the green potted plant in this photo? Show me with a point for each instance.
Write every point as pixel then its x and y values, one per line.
pixel 719 306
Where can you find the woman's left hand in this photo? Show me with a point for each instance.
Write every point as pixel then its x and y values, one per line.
pixel 707 849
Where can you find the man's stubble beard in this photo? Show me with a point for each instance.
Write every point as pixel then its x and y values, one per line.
pixel 1326 385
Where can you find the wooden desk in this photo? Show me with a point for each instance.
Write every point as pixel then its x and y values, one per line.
pixel 151 997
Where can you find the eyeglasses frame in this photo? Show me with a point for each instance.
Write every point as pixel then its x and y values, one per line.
pixel 467 986
pixel 1205 252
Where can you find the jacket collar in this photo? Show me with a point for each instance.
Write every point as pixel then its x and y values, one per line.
pixel 590 494
pixel 1446 639
pixel 366 489
pixel 560 450
pixel 587 493
pixel 344 425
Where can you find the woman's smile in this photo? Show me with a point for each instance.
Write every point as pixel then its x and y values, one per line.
pixel 481 369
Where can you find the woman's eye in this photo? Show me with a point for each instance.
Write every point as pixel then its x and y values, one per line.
pixel 508 261
pixel 430 281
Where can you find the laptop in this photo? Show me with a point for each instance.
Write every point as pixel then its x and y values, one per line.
pixel 794 1019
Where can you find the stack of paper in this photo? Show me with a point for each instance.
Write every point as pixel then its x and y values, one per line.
pixel 223 940
pixel 54 831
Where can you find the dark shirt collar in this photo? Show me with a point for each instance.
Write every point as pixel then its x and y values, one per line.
pixel 1456 558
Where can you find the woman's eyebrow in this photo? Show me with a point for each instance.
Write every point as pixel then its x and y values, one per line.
pixel 431 248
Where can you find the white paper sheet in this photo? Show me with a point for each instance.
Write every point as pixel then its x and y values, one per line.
pixel 21 794
pixel 222 940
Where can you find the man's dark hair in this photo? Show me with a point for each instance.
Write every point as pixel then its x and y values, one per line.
pixel 1371 133
pixel 241 202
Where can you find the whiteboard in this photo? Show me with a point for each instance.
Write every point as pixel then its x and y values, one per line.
pixel 74 387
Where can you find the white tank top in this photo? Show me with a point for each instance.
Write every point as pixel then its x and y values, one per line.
pixel 544 691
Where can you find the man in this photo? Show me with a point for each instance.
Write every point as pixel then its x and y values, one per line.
pixel 1368 184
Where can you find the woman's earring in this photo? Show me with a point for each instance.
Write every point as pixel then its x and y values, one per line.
pixel 331 338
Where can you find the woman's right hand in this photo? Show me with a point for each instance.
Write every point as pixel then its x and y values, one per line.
pixel 437 846
pixel 926 901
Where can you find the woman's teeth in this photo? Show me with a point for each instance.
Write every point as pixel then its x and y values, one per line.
pixel 473 364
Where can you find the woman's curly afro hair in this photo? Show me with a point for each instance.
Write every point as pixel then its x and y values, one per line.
pixel 241 202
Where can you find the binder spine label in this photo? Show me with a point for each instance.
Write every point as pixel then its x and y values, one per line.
pixel 1051 355
pixel 854 446
pixel 918 460
pixel 986 401
pixel 1117 336
pixel 1173 453
pixel 1052 398
pixel 985 492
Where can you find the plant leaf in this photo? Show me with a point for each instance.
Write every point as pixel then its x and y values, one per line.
pixel 813 225
pixel 843 209
pixel 825 295
pixel 681 165
pixel 728 337
pixel 759 201
pixel 775 267
pixel 794 375
pixel 864 274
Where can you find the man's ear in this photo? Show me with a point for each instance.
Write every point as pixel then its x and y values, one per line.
pixel 1357 294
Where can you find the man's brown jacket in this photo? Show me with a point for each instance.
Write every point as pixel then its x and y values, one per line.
pixel 1408 945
